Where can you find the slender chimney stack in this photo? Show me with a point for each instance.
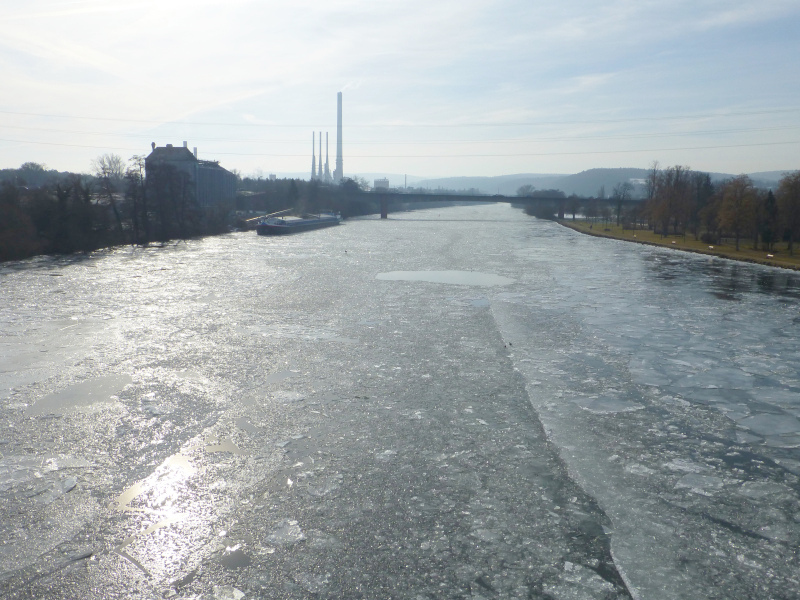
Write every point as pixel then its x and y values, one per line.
pixel 313 156
pixel 319 173
pixel 327 170
pixel 338 173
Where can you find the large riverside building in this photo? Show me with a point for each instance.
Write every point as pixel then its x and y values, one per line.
pixel 204 180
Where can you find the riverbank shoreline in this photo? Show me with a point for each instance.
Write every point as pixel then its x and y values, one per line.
pixel 791 263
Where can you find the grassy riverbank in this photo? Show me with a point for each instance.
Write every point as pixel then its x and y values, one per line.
pixel 779 256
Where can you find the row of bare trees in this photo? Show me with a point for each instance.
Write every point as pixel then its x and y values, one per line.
pixel 681 201
pixel 113 206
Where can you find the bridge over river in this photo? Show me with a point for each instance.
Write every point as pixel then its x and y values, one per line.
pixel 391 201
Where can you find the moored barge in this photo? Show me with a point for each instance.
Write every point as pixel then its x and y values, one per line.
pixel 284 225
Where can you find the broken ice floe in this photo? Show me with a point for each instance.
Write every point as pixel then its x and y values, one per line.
pixel 84 395
pixel 313 583
pixel 771 424
pixel 39 478
pixel 385 456
pixel 227 592
pixel 286 533
pixel 578 581
pixel 700 484
pixel 637 469
pixel 606 405
pixel 221 445
pixel 686 466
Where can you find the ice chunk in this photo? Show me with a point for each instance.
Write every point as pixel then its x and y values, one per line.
pixel 578 581
pixel 218 445
pixel 487 535
pixel 234 558
pixel 312 583
pixel 325 486
pixel 54 463
pixel 606 405
pixel 701 484
pixel 771 424
pixel 638 469
pixel 386 455
pixel 227 592
pixel 686 466
pixel 286 534
pixel 81 395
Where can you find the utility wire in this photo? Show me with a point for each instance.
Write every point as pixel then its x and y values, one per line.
pixel 430 142
pixel 411 125
pixel 498 155
pixel 521 154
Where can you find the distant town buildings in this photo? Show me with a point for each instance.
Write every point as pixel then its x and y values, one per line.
pixel 381 185
pixel 179 171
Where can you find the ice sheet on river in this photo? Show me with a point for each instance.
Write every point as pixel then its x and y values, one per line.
pixel 603 422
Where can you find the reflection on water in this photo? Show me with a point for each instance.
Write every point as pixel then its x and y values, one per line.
pixel 725 279
pixel 167 497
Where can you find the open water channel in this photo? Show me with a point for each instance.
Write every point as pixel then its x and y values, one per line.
pixel 454 403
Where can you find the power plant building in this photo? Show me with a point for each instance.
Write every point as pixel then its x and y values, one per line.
pixel 316 168
pixel 338 172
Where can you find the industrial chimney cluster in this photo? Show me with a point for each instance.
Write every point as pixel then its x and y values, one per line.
pixel 317 171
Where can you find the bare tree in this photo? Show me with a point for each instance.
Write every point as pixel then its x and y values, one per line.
pixel 525 190
pixel 622 193
pixel 135 194
pixel 573 205
pixel 671 201
pixel 789 206
pixel 702 192
pixel 770 221
pixel 737 208
pixel 110 171
pixel 651 185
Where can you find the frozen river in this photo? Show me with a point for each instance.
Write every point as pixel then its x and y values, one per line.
pixel 453 403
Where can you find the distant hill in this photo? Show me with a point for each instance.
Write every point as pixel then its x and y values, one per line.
pixel 507 185
pixel 771 176
pixel 585 183
pixel 589 183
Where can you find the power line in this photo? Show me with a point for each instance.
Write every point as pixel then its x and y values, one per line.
pixel 426 125
pixel 430 142
pixel 496 155
pixel 523 154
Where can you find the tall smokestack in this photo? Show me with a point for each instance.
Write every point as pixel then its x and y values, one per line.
pixel 319 173
pixel 327 170
pixel 338 173
pixel 313 157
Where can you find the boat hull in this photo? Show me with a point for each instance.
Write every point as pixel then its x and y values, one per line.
pixel 281 227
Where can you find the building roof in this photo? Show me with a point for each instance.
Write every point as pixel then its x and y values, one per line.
pixel 171 153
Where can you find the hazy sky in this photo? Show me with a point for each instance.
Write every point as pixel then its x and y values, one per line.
pixel 431 87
